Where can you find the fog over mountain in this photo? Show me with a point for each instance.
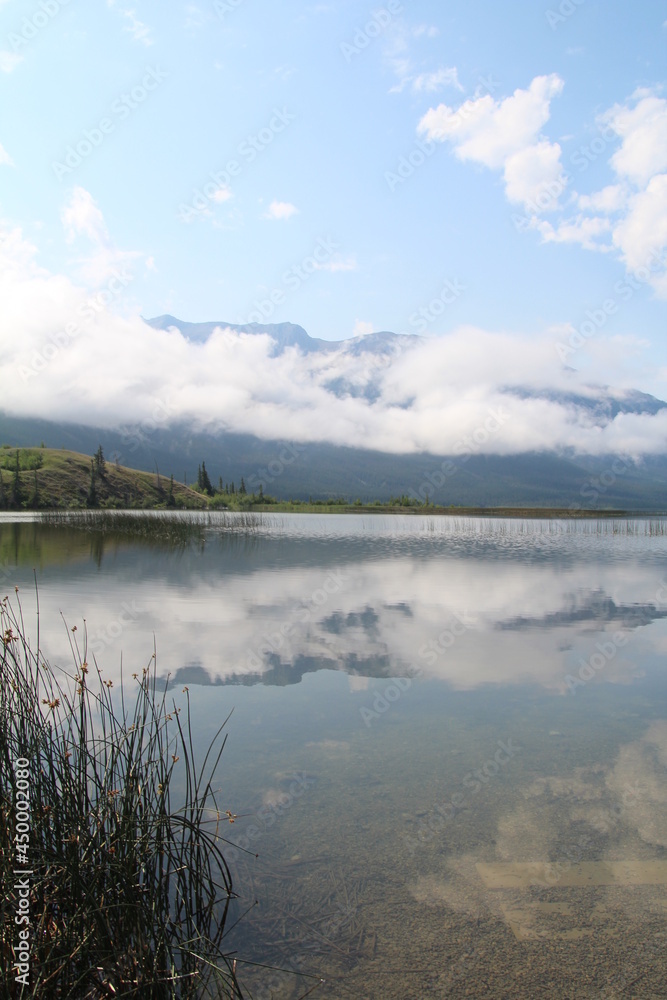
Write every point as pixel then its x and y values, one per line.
pixel 357 365
pixel 440 395
pixel 66 356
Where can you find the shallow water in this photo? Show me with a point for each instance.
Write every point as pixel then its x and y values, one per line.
pixel 448 744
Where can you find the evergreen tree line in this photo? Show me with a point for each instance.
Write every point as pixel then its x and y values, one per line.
pixel 16 495
pixel 98 470
pixel 204 484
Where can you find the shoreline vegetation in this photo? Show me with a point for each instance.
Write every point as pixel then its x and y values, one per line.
pixel 164 527
pixel 56 480
pixel 111 835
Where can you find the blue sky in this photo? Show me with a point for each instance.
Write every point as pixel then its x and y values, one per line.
pixel 420 167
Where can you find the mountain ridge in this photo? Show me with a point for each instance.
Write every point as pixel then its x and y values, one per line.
pixel 558 477
pixel 384 346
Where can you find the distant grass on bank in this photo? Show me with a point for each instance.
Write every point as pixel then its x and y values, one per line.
pixel 160 526
pixel 129 892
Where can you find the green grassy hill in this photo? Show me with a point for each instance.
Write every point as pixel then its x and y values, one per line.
pixel 55 478
pixel 50 477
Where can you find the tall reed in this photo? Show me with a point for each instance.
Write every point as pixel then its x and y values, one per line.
pixel 160 526
pixel 129 893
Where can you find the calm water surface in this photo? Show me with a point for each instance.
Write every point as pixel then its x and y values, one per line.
pixel 448 744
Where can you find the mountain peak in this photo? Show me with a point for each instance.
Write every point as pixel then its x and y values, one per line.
pixel 290 335
pixel 283 334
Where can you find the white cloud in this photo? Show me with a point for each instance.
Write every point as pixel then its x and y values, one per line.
pixel 506 135
pixel 82 219
pixel 427 397
pixel 533 176
pixel 401 68
pixel 281 210
pixel 9 61
pixel 430 82
pixel 139 31
pixel 642 233
pixel 488 131
pixel 363 327
pixel 81 216
pixel 643 131
pixel 5 158
pixel 397 54
pixel 610 199
pixel 588 232
pixel 222 194
pixel 628 216
pixel 633 212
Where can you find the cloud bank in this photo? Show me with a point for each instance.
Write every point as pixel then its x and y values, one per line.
pixel 66 354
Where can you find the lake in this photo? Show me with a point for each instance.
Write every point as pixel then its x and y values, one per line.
pixel 448 744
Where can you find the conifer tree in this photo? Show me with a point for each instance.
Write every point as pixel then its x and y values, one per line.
pixel 203 481
pixel 100 464
pixel 91 500
pixel 242 489
pixel 17 492
pixel 34 499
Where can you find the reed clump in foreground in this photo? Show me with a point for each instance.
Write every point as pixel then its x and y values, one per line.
pixel 128 894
